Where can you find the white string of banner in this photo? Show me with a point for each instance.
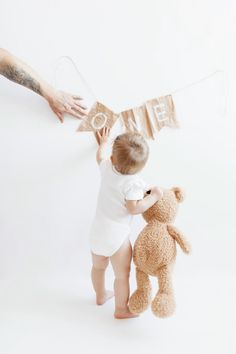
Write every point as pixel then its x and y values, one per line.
pixel 205 78
pixel 84 81
pixel 174 92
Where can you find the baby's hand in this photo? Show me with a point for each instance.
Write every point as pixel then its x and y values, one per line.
pixel 103 135
pixel 157 192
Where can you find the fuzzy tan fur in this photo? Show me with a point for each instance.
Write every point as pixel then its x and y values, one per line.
pixel 155 253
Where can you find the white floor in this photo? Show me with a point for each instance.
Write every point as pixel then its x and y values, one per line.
pixel 60 316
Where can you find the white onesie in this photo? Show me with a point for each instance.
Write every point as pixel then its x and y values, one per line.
pixel 111 225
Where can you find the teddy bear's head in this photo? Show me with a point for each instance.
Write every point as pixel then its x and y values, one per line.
pixel 165 209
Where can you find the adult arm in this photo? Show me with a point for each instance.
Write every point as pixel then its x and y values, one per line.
pixel 19 72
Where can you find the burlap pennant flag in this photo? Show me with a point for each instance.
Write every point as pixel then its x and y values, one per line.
pixel 98 117
pixel 137 120
pixel 161 112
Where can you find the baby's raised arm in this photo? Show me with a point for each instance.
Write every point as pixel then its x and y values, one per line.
pixel 140 206
pixel 102 139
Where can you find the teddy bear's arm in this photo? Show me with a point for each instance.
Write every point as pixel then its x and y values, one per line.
pixel 179 238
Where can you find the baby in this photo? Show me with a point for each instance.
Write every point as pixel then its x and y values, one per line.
pixel 122 194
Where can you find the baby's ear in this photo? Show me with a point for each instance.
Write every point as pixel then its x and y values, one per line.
pixel 179 194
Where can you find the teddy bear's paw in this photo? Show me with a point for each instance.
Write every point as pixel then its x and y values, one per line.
pixel 187 248
pixel 163 305
pixel 139 301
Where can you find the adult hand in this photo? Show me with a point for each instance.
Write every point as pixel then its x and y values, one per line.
pixel 62 102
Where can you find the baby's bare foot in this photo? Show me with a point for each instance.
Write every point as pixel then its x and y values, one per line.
pixel 121 315
pixel 102 299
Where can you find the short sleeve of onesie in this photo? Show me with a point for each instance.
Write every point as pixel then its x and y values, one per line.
pixel 134 189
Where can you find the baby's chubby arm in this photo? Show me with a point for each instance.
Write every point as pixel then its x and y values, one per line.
pixel 140 206
pixel 102 138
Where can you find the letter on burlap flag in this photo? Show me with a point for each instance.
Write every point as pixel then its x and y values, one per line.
pixel 137 120
pixel 98 117
pixel 161 112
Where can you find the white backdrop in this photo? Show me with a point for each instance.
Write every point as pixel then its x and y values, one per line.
pixel 129 51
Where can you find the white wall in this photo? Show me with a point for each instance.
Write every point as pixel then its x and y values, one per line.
pixel 129 51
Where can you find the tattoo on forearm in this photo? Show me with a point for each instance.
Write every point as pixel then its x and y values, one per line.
pixel 20 77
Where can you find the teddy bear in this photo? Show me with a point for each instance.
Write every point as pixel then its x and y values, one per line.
pixel 155 253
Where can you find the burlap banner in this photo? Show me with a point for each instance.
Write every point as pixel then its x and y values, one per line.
pixel 147 119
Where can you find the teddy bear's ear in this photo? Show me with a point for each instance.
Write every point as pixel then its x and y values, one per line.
pixel 178 194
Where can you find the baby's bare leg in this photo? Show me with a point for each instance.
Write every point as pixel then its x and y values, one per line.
pixel 100 264
pixel 121 265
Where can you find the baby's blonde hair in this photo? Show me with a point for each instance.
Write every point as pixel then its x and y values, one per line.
pixel 129 153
